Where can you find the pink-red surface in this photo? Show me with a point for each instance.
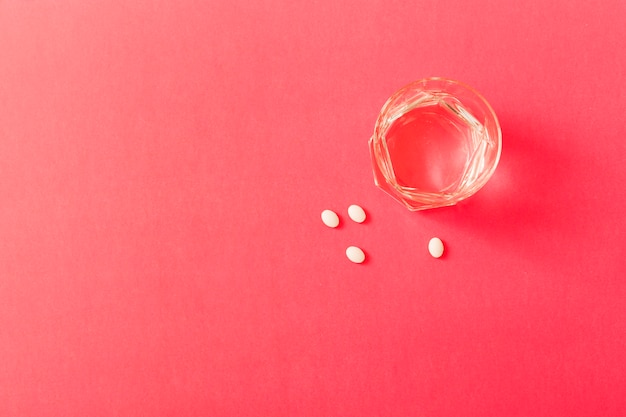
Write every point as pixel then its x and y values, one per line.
pixel 163 166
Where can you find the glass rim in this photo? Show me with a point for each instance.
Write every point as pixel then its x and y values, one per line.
pixel 385 120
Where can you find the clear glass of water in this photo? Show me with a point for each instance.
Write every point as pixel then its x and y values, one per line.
pixel 435 143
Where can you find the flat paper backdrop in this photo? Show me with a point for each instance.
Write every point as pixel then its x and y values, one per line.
pixel 164 164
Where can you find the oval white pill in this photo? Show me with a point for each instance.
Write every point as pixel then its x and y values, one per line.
pixel 330 218
pixel 435 247
pixel 356 213
pixel 355 254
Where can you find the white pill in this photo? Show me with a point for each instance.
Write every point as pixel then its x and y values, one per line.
pixel 435 247
pixel 356 213
pixel 355 254
pixel 330 218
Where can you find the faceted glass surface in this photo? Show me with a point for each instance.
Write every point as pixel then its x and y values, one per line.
pixel 436 142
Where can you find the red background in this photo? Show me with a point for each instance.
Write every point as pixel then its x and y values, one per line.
pixel 163 166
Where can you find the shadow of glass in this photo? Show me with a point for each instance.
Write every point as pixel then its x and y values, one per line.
pixel 530 192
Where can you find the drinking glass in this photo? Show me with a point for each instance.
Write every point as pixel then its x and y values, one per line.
pixel 436 142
